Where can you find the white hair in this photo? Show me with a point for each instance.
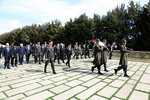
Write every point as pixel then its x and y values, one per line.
pixel 21 44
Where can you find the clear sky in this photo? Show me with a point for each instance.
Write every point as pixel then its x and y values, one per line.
pixel 18 13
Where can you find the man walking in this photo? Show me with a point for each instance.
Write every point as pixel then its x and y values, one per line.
pixel 98 57
pixel 104 54
pixel 123 58
pixel 69 53
pixel 6 55
pixel 1 50
pixel 49 57
pixel 14 54
pixel 21 52
pixel 38 52
pixel 28 53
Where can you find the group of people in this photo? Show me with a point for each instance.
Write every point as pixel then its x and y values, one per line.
pixel 50 52
pixel 100 57
pixel 60 52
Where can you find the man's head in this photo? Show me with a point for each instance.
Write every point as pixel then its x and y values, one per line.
pixel 76 43
pixel 21 45
pixel 105 41
pixel 28 45
pixel 97 41
pixel 38 43
pixel 50 44
pixel 124 42
pixel 7 44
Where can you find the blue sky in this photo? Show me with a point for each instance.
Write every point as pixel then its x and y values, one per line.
pixel 18 13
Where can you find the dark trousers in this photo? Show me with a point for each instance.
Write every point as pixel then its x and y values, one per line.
pixel 110 55
pixel 62 58
pixel 55 57
pixel 124 67
pixel 80 55
pixel 58 58
pixel 76 55
pixel 6 64
pixel 27 58
pixel 92 55
pixel 12 61
pixel 0 55
pixel 38 57
pixel 88 54
pixel 98 68
pixel 42 57
pixel 52 66
pixel 84 54
pixel 21 59
pixel 68 61
pixel 105 66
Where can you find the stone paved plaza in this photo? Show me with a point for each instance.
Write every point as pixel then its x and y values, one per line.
pixel 29 82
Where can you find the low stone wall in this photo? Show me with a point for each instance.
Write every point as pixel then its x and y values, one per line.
pixel 135 54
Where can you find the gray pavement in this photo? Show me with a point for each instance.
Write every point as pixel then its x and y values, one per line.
pixel 29 82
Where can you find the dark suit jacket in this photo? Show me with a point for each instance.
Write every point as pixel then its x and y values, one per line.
pixel 6 53
pixel 43 49
pixel 49 53
pixel 69 52
pixel 58 50
pixel 27 51
pixel 14 52
pixel 38 50
pixel 21 51
pixel 62 51
pixel 1 49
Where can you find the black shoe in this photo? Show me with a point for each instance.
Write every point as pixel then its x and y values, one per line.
pixel 106 70
pixel 45 72
pixel 54 73
pixel 92 69
pixel 8 68
pixel 69 66
pixel 66 64
pixel 39 63
pixel 115 71
pixel 126 75
pixel 100 73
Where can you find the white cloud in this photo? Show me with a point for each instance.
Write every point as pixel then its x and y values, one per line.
pixel 8 25
pixel 48 10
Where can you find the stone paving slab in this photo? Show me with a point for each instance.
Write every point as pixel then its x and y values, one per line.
pixel 29 82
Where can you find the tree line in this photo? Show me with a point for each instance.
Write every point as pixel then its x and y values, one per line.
pixel 131 23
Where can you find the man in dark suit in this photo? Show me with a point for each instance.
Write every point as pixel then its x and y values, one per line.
pixel 84 51
pixel 14 54
pixel 6 55
pixel 21 52
pixel 62 52
pixel 69 53
pixel 55 52
pixel 28 53
pixel 49 57
pixel 58 53
pixel 76 50
pixel 1 50
pixel 87 51
pixel 43 48
pixel 38 52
